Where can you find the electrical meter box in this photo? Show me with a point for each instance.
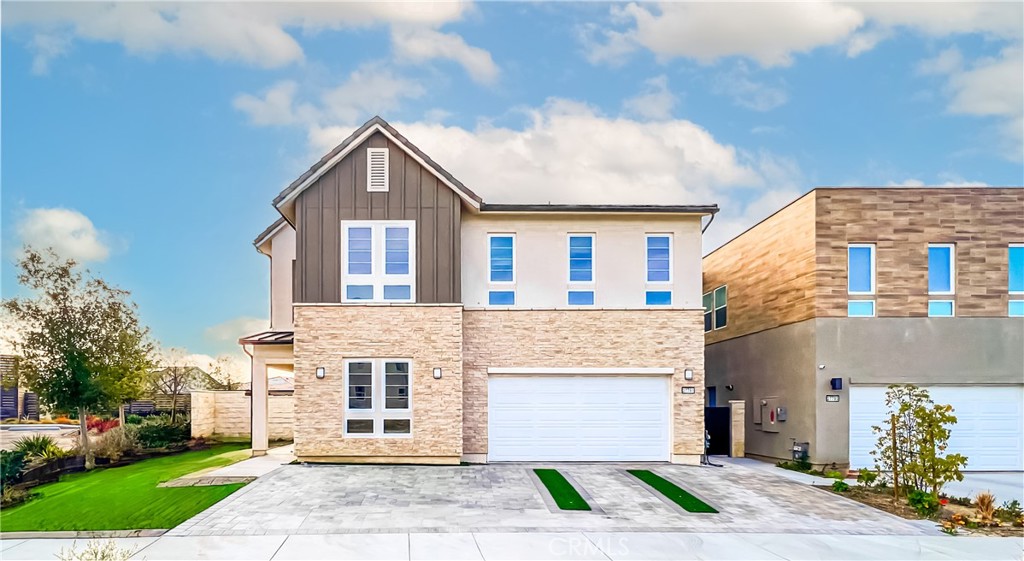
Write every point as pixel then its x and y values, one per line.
pixel 769 410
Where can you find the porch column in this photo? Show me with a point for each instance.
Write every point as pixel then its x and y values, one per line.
pixel 738 426
pixel 260 440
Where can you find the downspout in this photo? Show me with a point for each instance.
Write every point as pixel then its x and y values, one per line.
pixel 706 226
pixel 246 351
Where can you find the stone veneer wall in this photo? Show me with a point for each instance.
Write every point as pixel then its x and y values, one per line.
pixel 328 334
pixel 586 338
pixel 228 414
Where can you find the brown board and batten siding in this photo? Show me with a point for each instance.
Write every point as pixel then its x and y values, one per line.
pixel 414 193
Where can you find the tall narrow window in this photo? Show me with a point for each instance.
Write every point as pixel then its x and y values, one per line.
pixel 941 283
pixel 1015 274
pixel 378 397
pixel 379 261
pixel 860 274
pixel 721 310
pixel 709 310
pixel 376 169
pixel 581 270
pixel 659 258
pixel 501 269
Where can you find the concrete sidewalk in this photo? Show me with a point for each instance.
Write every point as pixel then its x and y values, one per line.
pixel 571 545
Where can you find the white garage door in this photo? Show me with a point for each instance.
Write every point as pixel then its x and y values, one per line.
pixel 578 418
pixel 988 428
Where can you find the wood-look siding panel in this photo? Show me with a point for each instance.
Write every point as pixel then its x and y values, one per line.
pixel 414 194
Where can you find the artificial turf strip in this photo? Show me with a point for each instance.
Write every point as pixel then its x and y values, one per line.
pixel 124 498
pixel 672 491
pixel 565 495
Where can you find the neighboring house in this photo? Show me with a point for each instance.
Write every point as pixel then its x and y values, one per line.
pixel 424 325
pixel 813 312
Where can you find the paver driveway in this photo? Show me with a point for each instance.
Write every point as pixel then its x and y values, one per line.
pixel 315 499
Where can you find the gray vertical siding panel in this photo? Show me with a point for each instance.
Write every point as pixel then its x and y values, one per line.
pixel 414 194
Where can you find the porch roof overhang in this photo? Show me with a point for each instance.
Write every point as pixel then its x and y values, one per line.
pixel 269 338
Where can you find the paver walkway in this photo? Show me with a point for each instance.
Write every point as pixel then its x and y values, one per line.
pixel 339 499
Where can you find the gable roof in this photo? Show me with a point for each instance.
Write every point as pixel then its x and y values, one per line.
pixel 269 232
pixel 374 125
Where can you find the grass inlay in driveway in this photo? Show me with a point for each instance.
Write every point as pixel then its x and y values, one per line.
pixel 565 495
pixel 672 491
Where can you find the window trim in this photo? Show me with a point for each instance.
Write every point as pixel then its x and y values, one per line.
pixel 715 307
pixel 568 258
pixel 874 287
pixel 490 236
pixel 952 308
pixel 709 313
pixel 671 257
pixel 571 291
pixel 952 268
pixel 378 413
pixel 874 308
pixel 387 169
pixel 1012 293
pixel 378 277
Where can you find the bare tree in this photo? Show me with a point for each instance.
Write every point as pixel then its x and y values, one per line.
pixel 173 377
pixel 222 375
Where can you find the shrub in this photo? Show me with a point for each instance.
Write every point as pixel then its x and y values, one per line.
pixel 101 425
pixel 96 550
pixel 1010 511
pixel 11 464
pixel 133 420
pixel 923 502
pixel 840 486
pixel 117 442
pixel 64 420
pixel 832 474
pixel 159 431
pixel 34 446
pixel 986 505
pixel 12 496
pixel 866 477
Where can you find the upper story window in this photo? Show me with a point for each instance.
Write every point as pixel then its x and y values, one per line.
pixel 716 312
pixel 378 261
pixel 1015 274
pixel 501 269
pixel 581 269
pixel 659 268
pixel 377 169
pixel 860 271
pixel 941 275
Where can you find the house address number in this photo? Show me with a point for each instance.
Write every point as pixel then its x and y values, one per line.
pixel 832 398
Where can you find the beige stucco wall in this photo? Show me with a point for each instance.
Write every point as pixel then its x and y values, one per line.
pixel 429 335
pixel 282 247
pixel 229 415
pixel 541 255
pixel 586 339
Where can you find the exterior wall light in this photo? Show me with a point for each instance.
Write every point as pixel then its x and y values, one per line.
pixel 688 374
pixel 437 373
pixel 320 372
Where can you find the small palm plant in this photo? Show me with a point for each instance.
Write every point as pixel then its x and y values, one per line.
pixel 986 505
pixel 35 446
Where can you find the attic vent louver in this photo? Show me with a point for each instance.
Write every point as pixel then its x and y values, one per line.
pixel 377 169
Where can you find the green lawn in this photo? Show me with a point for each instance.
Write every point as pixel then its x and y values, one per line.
pixel 672 491
pixel 124 498
pixel 561 490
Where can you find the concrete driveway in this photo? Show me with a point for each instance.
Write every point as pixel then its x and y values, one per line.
pixel 340 499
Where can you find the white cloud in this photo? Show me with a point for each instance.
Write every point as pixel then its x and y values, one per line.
pixel 946 62
pixel 256 33
pixel 70 233
pixel 274 108
pixel 748 93
pixel 768 129
pixel 421 44
pixel 231 330
pixel 655 102
pixel 945 180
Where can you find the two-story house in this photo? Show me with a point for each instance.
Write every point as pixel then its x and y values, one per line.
pixel 425 325
pixel 812 313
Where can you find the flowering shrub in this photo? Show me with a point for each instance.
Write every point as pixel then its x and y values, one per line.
pixel 100 425
pixel 62 420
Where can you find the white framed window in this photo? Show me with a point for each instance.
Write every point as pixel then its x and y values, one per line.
pixel 860 308
pixel 659 258
pixel 716 311
pixel 709 310
pixel 501 269
pixel 378 398
pixel 1015 279
pixel 860 268
pixel 377 180
pixel 941 279
pixel 580 260
pixel 378 261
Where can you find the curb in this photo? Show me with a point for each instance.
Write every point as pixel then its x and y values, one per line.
pixel 83 534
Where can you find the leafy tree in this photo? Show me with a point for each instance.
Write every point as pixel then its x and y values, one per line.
pixel 174 377
pixel 931 468
pixel 81 344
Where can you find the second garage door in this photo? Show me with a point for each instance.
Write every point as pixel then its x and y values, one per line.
pixel 578 418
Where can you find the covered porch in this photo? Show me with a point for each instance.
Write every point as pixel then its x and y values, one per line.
pixel 271 354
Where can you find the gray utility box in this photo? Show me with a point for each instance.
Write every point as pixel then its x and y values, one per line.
pixel 771 413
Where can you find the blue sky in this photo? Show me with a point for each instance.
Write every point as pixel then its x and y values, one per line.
pixel 148 140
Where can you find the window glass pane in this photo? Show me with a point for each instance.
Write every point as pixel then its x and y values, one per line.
pixel 397 292
pixel 940 308
pixel 397 426
pixel 859 269
pixel 501 298
pixel 396 367
pixel 359 291
pixel 709 302
pixel 359 426
pixel 360 251
pixel 659 298
pixel 501 258
pixel 1016 308
pixel 360 385
pixel 860 308
pixel 396 251
pixel 581 298
pixel 360 368
pixel 658 257
pixel 720 296
pixel 720 318
pixel 939 265
pixel 1016 269
pixel 707 321
pixel 581 259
